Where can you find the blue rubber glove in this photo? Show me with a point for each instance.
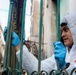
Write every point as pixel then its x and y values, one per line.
pixel 15 38
pixel 60 53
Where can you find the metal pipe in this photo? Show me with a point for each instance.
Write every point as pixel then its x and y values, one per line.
pixel 40 36
pixel 22 34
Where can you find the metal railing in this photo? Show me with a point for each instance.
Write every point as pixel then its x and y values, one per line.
pixel 6 68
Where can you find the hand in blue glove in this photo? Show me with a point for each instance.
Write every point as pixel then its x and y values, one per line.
pixel 60 53
pixel 15 38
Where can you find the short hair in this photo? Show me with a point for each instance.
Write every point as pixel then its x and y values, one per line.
pixel 63 24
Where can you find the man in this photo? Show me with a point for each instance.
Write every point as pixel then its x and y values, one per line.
pixel 65 54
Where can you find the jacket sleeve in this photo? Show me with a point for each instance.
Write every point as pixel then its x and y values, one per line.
pixel 30 62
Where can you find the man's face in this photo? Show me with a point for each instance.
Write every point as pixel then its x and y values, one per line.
pixel 66 35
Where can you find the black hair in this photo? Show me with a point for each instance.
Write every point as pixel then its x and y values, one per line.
pixel 63 24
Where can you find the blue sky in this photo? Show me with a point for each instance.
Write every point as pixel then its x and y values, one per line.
pixel 4 7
